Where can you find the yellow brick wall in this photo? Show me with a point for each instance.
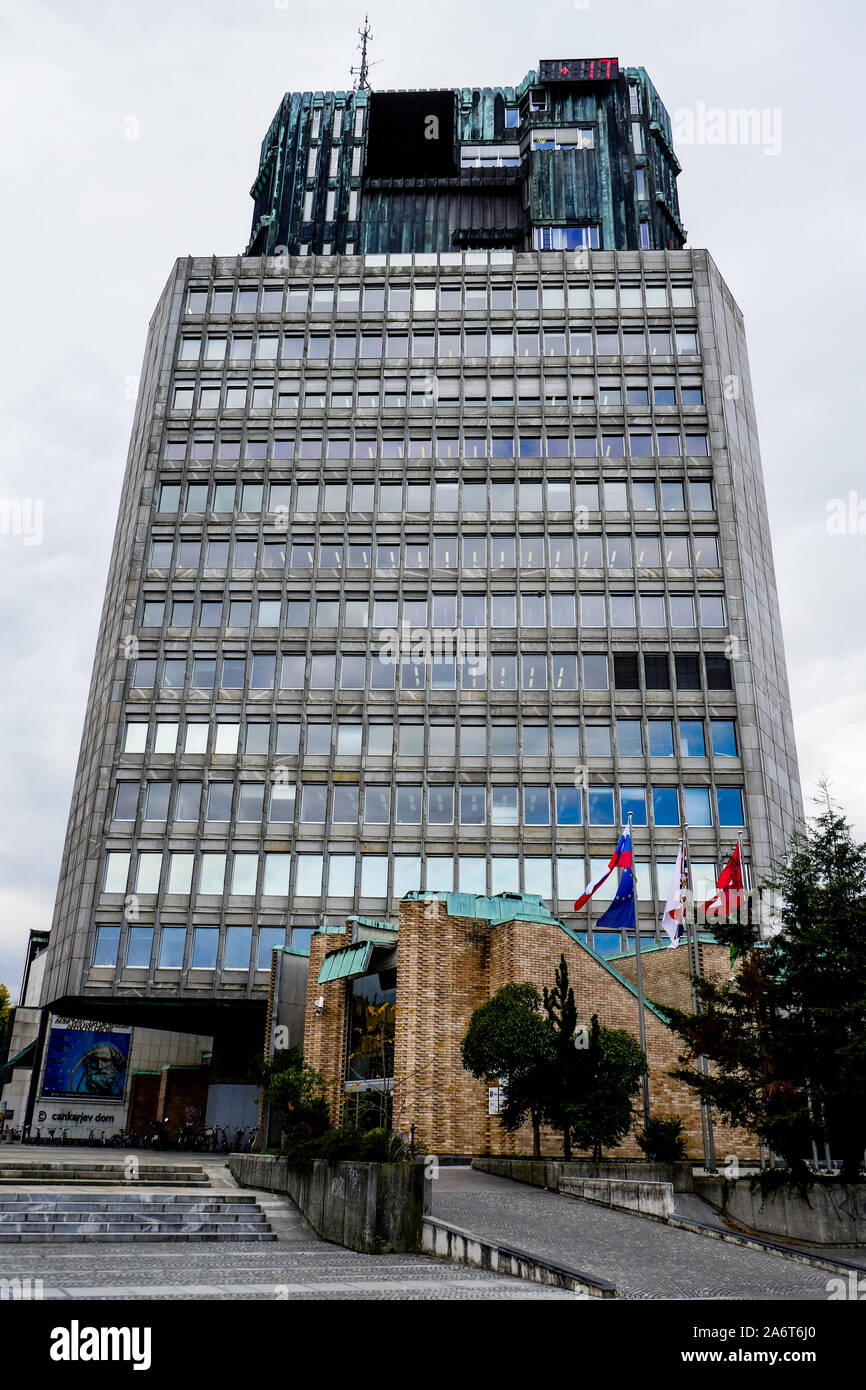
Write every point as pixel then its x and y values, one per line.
pixel 446 968
pixel 666 973
pixel 441 979
pixel 325 1033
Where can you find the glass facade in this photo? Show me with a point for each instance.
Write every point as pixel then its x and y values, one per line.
pixel 372 1016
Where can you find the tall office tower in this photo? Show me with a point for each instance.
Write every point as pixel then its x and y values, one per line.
pixel 433 563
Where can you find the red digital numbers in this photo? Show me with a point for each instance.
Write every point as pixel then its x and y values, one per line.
pixel 579 69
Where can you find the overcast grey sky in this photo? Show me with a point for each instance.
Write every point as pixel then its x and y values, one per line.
pixel 92 221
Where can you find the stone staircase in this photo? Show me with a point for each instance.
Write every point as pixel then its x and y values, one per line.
pixel 39 1173
pixel 61 1217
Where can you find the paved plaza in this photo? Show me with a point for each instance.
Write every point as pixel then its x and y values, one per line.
pixel 645 1259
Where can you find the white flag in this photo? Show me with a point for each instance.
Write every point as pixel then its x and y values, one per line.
pixel 673 921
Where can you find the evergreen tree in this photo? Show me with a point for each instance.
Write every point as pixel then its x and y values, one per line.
pixel 561 1013
pixel 818 966
pixel 787 1034
pixel 753 1083
pixel 608 1078
pixel 590 1090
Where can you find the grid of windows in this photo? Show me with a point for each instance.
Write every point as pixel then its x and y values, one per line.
pixel 389 637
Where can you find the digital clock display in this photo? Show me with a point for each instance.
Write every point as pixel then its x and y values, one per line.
pixel 578 69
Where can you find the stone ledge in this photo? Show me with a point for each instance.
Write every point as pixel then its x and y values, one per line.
pixel 549 1172
pixel 623 1194
pixel 463 1247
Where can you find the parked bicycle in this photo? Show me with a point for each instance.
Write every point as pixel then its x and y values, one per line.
pixel 188 1137
pixel 121 1139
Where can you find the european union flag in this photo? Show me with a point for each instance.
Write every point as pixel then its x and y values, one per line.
pixel 621 912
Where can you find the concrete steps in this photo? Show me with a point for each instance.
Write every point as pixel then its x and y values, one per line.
pixel 28 1218
pixel 55 1174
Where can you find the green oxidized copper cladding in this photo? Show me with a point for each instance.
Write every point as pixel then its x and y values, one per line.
pixel 312 192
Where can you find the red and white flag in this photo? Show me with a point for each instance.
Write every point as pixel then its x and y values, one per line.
pixel 674 919
pixel 729 886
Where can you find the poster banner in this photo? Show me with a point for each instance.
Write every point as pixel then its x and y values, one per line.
pixel 86 1059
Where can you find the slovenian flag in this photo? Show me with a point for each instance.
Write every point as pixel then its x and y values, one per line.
pixel 620 859
pixel 621 911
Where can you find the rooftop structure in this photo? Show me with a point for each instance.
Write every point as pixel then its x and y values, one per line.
pixel 578 154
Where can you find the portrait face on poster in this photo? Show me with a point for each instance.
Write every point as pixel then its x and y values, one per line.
pixel 86 1062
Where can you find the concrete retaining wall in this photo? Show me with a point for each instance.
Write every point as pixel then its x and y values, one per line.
pixel 373 1207
pixel 549 1172
pixel 649 1198
pixel 830 1215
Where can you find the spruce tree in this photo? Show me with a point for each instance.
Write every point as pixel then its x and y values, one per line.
pixel 590 1090
pixel 787 1032
pixel 561 1013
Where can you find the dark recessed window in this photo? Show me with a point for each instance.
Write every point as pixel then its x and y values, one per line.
pixel 657 671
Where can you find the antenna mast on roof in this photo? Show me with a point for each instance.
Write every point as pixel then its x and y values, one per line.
pixel 362 73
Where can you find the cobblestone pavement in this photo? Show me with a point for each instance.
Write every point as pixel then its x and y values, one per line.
pixel 644 1259
pixel 243 1271
pixel 250 1272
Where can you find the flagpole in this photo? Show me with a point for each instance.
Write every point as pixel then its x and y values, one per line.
pixel 740 892
pixel 691 947
pixel 641 1019
pixel 706 1115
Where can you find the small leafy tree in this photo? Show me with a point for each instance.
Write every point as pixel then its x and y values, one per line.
pixel 586 1095
pixel 297 1093
pixel 507 1037
pixel 662 1139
